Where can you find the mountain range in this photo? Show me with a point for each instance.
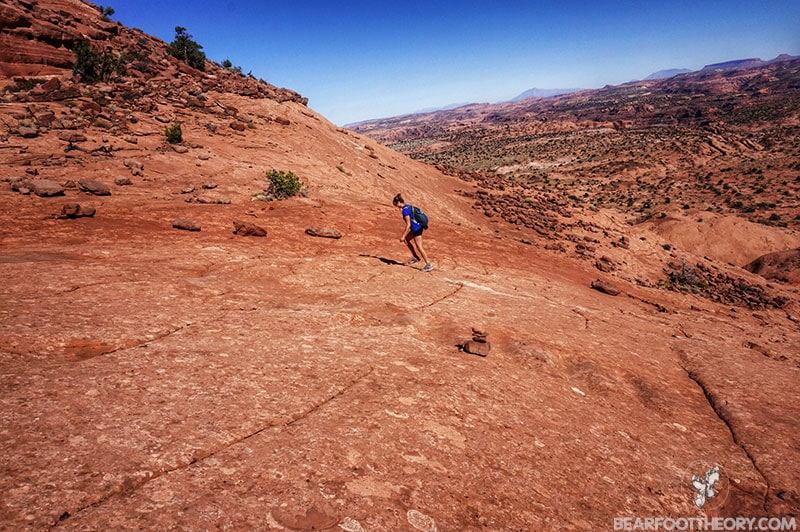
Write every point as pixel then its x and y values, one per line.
pixel 661 74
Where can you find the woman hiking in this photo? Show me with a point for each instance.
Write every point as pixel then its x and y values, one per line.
pixel 412 234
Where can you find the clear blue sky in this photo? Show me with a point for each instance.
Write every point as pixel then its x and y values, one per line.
pixel 357 60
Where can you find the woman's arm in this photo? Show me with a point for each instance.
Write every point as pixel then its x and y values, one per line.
pixel 407 229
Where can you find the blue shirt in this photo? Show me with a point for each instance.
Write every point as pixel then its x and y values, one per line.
pixel 408 211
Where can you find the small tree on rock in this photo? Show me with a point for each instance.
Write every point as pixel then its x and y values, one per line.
pixel 187 50
pixel 283 184
pixel 106 12
pixel 94 66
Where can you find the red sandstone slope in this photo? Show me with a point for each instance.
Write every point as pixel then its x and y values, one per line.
pixel 157 378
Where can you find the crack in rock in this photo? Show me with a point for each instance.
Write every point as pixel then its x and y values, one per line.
pixel 277 422
pixel 582 315
pixel 166 334
pixel 446 296
pixel 714 404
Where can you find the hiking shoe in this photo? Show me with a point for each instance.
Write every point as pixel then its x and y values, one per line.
pixel 428 267
pixel 413 261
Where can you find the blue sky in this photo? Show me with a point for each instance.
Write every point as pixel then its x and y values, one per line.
pixel 357 60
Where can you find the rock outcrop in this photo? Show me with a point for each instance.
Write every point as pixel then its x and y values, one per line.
pixel 779 266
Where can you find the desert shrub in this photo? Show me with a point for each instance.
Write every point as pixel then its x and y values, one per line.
pixel 283 184
pixel 187 50
pixel 174 133
pixel 138 61
pixel 228 65
pixel 27 84
pixel 106 12
pixel 684 278
pixel 93 66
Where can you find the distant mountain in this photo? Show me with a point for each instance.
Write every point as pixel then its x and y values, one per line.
pixel 664 74
pixel 748 63
pixel 542 93
pixel 443 108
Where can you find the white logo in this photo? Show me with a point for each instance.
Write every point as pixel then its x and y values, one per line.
pixel 704 486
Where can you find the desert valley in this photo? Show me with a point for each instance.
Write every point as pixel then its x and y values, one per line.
pixel 614 308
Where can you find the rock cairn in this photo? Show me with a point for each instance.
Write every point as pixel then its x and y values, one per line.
pixel 479 345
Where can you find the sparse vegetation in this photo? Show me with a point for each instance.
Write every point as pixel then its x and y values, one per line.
pixel 93 66
pixel 283 184
pixel 228 65
pixel 25 84
pixel 174 133
pixel 186 49
pixel 106 12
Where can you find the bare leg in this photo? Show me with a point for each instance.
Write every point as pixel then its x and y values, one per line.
pixel 417 240
pixel 409 238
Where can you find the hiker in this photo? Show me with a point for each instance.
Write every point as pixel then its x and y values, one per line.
pixel 412 234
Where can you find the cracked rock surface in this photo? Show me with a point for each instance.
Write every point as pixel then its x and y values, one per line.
pixel 164 379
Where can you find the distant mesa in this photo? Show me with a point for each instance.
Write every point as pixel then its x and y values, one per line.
pixel 748 63
pixel 666 74
pixel 543 93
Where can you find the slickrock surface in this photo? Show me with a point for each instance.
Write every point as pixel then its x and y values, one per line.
pixel 157 379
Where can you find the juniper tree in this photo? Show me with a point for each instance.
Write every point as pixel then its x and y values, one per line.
pixel 187 50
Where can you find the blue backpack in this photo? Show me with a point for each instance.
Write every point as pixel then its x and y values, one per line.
pixel 420 217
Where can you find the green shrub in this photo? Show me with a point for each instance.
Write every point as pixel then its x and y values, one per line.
pixel 283 184
pixel 106 12
pixel 94 66
pixel 684 278
pixel 174 133
pixel 29 83
pixel 187 50
pixel 229 66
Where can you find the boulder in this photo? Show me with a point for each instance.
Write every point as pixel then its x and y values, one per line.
pixel 46 188
pixel 604 264
pixel 186 225
pixel 478 345
pixel 74 210
pixel 28 132
pixel 52 84
pixel 94 187
pixel 248 229
pixel 71 136
pixel 781 266
pixel 605 287
pixel 208 200
pixel 477 348
pixel 19 183
pixel 122 181
pixel 323 232
pixel 135 166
